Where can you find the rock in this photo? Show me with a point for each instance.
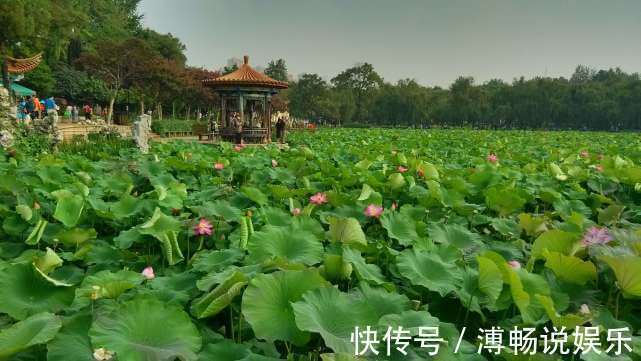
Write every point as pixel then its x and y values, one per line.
pixel 140 132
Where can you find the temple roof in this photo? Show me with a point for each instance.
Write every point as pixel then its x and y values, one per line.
pixel 19 66
pixel 245 76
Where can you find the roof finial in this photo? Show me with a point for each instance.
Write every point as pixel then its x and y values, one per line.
pixel 246 59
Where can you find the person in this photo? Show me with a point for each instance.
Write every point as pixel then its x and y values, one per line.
pixel 51 108
pixel 30 107
pixel 280 130
pixel 237 124
pixel 68 111
pixel 38 108
pixel 74 113
pixel 87 110
pixel 22 109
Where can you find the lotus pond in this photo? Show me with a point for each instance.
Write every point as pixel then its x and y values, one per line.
pixel 219 253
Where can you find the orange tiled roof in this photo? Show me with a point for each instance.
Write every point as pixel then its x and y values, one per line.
pixel 19 66
pixel 245 76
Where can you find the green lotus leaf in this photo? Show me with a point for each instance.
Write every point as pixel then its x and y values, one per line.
pixel 267 302
pixel 216 260
pixel 25 292
pixel 255 195
pixel 366 192
pixel 146 329
pixel 409 320
pixel 295 246
pixel 532 225
pixel 524 287
pixel 569 268
pixel 76 236
pixel 429 170
pixel 105 284
pixel 34 330
pixel 627 270
pixel 72 342
pixel 125 207
pixel 430 270
pixel 611 214
pixel 364 271
pixel 179 288
pixel 227 350
pixel 396 181
pixel 346 231
pixel 504 200
pixel 490 278
pixel 400 227
pixel 210 304
pixel 69 207
pixel 37 232
pixel 165 229
pixel 453 234
pixel 126 238
pixel 569 321
pixel 554 241
pixel 335 269
pixel 48 262
pixel 334 315
pixel 24 211
pixel 218 208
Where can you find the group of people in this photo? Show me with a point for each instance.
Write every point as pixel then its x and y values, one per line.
pixel 31 107
pixel 237 125
pixel 34 108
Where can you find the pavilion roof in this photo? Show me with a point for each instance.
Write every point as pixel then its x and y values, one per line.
pixel 245 76
pixel 19 66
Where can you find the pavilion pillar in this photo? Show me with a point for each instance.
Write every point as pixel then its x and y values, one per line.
pixel 223 113
pixel 268 113
pixel 241 108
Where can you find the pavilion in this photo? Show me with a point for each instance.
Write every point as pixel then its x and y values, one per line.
pixel 15 68
pixel 248 93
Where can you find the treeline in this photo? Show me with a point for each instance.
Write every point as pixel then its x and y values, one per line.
pixel 97 51
pixel 588 100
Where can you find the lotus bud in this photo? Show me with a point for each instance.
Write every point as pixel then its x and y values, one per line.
pixel 148 273
pixel 584 310
pixel 95 293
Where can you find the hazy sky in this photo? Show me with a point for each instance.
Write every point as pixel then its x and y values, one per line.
pixel 432 41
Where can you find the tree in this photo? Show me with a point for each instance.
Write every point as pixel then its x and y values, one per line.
pixel 362 81
pixel 277 70
pixel 121 71
pixel 307 96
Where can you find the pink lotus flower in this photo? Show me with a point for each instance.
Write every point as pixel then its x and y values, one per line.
pixel 394 206
pixel 514 264
pixel 402 169
pixel 596 236
pixel 296 211
pixel 584 154
pixel 492 158
pixel 599 168
pixel 274 163
pixel 239 147
pixel 148 273
pixel 203 228
pixel 219 166
pixel 318 198
pixel 373 211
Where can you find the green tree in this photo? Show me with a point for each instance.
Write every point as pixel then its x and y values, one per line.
pixel 362 81
pixel 277 70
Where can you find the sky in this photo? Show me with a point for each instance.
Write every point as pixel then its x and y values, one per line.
pixel 431 41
